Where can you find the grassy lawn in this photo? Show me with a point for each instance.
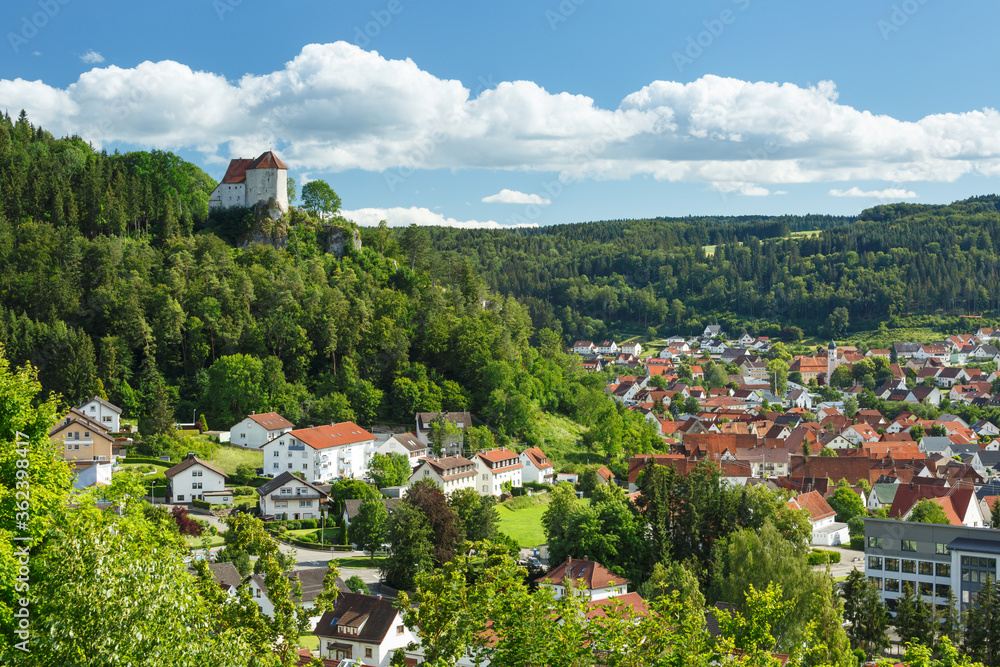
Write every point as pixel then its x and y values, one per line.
pixel 806 234
pixel 196 542
pixel 228 458
pixel 157 475
pixel 525 525
pixel 309 641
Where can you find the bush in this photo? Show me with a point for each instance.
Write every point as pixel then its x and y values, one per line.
pixel 310 538
pixel 858 543
pixel 537 486
pixel 244 491
pixel 357 585
pixel 822 556
pixel 201 504
pixel 142 459
pixel 186 524
pixel 292 525
pixel 309 523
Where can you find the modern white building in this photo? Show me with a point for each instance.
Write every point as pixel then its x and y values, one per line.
pixel 289 497
pixel 250 181
pixel 321 453
pixel 104 413
pixel 496 468
pixel 193 479
pixel 259 429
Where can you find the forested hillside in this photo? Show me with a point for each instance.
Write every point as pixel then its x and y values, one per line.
pixel 680 274
pixel 171 321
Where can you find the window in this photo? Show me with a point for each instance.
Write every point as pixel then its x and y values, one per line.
pixel 286 491
pixel 875 542
pixel 180 497
pixel 243 435
pixel 909 545
pixel 943 569
pixel 910 566
pixel 926 568
pixel 86 434
pixel 877 581
pixel 399 629
pixel 941 548
pixel 892 585
pixel 195 485
pixel 874 563
pixel 289 466
pixel 368 652
pixel 305 466
pixel 280 503
pixel 926 588
pixel 305 503
pixel 277 453
pixel 196 473
pixel 275 466
pixel 892 564
pixel 942 590
pixel 107 419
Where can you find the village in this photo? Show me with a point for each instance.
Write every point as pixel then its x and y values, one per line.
pixel 796 435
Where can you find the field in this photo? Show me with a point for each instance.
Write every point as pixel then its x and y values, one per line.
pixel 228 457
pixel 806 234
pixel 525 524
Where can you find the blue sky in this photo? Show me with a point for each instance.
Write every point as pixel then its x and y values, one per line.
pixel 551 111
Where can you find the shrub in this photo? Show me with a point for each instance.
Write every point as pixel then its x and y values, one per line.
pixel 309 537
pixel 186 524
pixel 292 525
pixel 201 504
pixel 357 585
pixel 308 523
pixel 816 557
pixel 244 491
pixel 858 542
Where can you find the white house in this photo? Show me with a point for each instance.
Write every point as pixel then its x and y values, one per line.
pixel 249 181
pixel 259 429
pixel 826 531
pixel 193 479
pixel 104 413
pixel 321 453
pixel 91 473
pixel 634 349
pixel 309 578
pixel 363 628
pixel 290 497
pixel 589 579
pixel 858 433
pixel 450 473
pixel 712 330
pixel 536 467
pixel 406 444
pixel 584 347
pixel 607 347
pixel 495 468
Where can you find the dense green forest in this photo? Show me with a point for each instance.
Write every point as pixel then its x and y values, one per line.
pixel 680 274
pixel 114 278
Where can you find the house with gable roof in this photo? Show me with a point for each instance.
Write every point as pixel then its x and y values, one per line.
pixel 585 578
pixel 194 479
pixel 450 473
pixel 321 453
pixel 78 438
pixel 103 412
pixel 259 429
pixel 363 628
pixel 461 421
pixel 536 467
pixel 290 497
pixel 826 530
pixel 404 444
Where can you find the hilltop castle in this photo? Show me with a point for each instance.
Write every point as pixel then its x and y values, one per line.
pixel 248 182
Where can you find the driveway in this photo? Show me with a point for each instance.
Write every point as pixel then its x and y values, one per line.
pixel 850 560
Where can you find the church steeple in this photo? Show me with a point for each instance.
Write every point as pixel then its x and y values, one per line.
pixel 831 360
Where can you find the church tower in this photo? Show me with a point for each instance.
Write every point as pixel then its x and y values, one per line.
pixel 831 360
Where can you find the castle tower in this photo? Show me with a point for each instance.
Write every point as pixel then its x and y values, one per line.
pixel 267 178
pixel 831 360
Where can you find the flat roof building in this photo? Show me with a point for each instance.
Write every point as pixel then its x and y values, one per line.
pixel 934 559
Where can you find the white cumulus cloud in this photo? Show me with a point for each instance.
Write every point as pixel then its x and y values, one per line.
pixel 336 107
pixel 404 217
pixel 888 193
pixel 92 57
pixel 507 196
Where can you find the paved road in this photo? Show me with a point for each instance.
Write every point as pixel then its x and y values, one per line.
pixel 847 562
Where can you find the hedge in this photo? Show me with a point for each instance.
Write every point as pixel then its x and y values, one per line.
pixel 143 459
pixel 201 504
pixel 822 556
pixel 858 542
